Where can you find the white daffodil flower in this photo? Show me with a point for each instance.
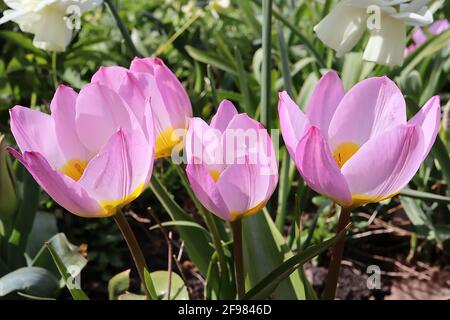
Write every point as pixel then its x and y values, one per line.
pixel 386 20
pixel 51 21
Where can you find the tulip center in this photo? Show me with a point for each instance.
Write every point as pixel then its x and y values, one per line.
pixel 343 152
pixel 74 168
pixel 165 142
pixel 215 174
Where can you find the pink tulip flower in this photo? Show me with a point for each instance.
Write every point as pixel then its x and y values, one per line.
pixel 419 37
pixel 357 147
pixel 232 166
pixel 150 81
pixel 90 155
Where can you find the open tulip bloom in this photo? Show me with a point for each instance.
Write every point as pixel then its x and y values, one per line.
pixel 91 155
pixel 357 147
pixel 232 166
pixel 345 25
pixel 150 82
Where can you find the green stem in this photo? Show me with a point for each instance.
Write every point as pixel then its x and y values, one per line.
pixel 54 71
pixel 236 226
pixel 266 81
pixel 123 30
pixel 135 249
pixel 336 257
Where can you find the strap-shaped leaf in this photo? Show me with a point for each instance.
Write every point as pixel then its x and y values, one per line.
pixel 267 285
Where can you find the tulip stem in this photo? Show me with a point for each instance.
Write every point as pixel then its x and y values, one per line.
pixel 236 226
pixel 135 249
pixel 336 257
pixel 54 70
pixel 123 30
pixel 266 81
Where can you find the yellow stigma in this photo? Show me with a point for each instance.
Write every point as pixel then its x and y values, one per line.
pixel 165 142
pixel 74 168
pixel 110 207
pixel 344 152
pixel 215 174
pixel 249 212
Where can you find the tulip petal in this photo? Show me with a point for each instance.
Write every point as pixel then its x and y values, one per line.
pixel 429 119
pixel 131 90
pixel 387 44
pixel 320 171
pixel 374 174
pixel 245 188
pixel 63 114
pixel 371 107
pixel 206 190
pixel 342 28
pixel 111 77
pixel 119 173
pixel 67 193
pixel 293 122
pixel 35 131
pixel 223 116
pixel 204 145
pixel 168 93
pixel 325 98
pixel 100 112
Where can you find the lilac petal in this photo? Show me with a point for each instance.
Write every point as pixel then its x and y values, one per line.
pixel 369 109
pixel 66 192
pixel 293 122
pixel 320 171
pixel 325 98
pixel 374 174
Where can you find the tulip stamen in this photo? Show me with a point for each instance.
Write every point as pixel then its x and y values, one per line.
pixel 165 142
pixel 215 174
pixel 74 168
pixel 344 152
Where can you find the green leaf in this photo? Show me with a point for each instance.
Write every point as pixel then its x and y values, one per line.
pixel 433 45
pixel 21 40
pixel 355 69
pixel 180 224
pixel 218 287
pixel 76 292
pixel 307 89
pixel 209 58
pixel 131 296
pixel 192 237
pixel 150 285
pixel 267 285
pixel 66 251
pixel 30 280
pixel 416 215
pixel 424 195
pixel 303 39
pixel 243 80
pixel 118 284
pixel 178 290
pixel 23 223
pixel 44 227
pixel 265 249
